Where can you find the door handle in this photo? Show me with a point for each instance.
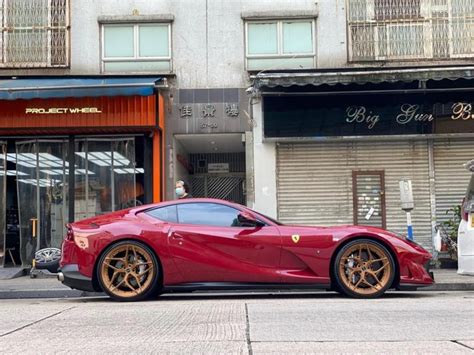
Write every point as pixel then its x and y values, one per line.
pixel 176 236
pixel 34 223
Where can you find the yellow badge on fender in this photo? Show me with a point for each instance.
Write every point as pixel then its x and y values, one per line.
pixel 295 238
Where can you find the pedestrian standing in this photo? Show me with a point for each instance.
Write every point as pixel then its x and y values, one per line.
pixel 182 190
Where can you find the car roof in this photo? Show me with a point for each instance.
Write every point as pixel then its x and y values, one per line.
pixel 189 200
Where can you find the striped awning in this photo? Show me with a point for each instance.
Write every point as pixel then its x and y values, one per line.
pixel 359 76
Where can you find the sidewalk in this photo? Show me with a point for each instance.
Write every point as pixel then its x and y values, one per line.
pixel 25 287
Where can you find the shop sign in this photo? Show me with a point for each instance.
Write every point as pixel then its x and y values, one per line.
pixel 364 116
pixel 61 110
pixel 213 168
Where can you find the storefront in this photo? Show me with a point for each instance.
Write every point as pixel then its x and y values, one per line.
pixel 72 149
pixel 341 150
pixel 207 143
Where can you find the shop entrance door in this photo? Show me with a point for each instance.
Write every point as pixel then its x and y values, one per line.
pixel 3 184
pixel 42 169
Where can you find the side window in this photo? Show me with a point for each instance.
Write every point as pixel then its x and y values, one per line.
pixel 165 214
pixel 210 214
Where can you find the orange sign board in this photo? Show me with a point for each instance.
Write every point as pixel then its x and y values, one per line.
pixel 79 113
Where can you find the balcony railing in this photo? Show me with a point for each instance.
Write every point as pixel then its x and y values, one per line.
pixel 35 33
pixel 386 30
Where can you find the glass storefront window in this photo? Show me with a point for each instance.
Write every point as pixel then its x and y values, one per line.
pixel 41 169
pixel 105 176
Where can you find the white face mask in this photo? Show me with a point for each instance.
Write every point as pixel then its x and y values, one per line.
pixel 180 191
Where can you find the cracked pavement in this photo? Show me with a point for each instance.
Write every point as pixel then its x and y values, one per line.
pixel 242 323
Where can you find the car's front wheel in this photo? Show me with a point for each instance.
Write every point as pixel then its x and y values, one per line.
pixel 364 268
pixel 128 271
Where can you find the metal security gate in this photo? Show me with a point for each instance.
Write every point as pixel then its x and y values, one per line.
pixel 314 182
pixel 451 178
pixel 230 188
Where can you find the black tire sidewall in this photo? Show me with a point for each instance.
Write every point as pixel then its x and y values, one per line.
pixel 51 266
pixel 151 288
pixel 343 288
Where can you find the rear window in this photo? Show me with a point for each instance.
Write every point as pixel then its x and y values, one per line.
pixel 165 214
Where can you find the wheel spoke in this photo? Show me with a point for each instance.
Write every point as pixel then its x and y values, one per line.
pixel 377 260
pixel 112 267
pixel 133 289
pixel 381 268
pixel 145 271
pixel 369 253
pixel 358 282
pixel 374 275
pixel 118 285
pixel 135 257
pixel 138 281
pixel 116 273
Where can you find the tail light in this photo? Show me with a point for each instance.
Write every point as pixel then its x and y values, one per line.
pixel 69 233
pixel 464 212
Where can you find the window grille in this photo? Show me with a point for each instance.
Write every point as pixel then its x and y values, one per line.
pixel 381 30
pixel 35 33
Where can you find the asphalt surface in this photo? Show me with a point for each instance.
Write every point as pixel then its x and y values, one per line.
pixel 250 323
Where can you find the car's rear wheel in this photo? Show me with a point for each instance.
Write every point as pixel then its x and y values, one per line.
pixel 364 268
pixel 128 271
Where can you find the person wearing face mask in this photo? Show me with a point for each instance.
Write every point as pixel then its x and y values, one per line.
pixel 182 190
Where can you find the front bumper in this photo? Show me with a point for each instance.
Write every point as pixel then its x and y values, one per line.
pixel 70 276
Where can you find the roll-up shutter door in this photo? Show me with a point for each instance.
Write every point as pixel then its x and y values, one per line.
pixel 314 182
pixel 451 178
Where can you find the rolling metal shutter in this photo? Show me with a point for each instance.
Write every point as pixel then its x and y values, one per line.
pixel 314 182
pixel 451 178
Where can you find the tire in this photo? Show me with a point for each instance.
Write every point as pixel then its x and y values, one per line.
pixel 128 271
pixel 48 259
pixel 363 268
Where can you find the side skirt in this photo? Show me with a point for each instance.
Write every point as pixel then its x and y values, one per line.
pixel 204 286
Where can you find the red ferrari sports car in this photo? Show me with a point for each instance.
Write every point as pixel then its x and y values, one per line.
pixel 197 244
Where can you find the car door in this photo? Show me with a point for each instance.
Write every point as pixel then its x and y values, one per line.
pixel 209 245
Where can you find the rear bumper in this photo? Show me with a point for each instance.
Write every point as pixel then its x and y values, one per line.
pixel 70 276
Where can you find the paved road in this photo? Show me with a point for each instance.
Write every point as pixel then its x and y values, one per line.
pixel 421 322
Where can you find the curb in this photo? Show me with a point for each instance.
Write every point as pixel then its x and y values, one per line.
pixel 19 294
pixel 31 294
pixel 449 287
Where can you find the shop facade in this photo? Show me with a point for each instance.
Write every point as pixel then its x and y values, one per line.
pixel 72 149
pixel 339 151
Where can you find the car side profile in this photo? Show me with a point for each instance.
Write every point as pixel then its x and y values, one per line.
pixel 197 244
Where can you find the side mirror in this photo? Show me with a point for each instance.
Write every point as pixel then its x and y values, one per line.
pixel 247 219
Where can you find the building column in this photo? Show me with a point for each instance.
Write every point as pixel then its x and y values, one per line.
pixel 264 167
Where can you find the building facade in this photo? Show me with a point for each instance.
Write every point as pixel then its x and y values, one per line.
pixel 287 106
pixel 394 103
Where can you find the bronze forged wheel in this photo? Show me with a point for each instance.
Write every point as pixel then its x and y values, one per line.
pixel 364 269
pixel 128 271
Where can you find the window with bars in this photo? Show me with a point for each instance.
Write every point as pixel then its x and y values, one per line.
pixel 381 30
pixel 35 33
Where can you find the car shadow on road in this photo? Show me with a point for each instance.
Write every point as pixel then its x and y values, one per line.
pixel 232 295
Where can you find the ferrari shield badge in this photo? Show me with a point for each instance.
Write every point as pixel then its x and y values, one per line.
pixel 295 238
